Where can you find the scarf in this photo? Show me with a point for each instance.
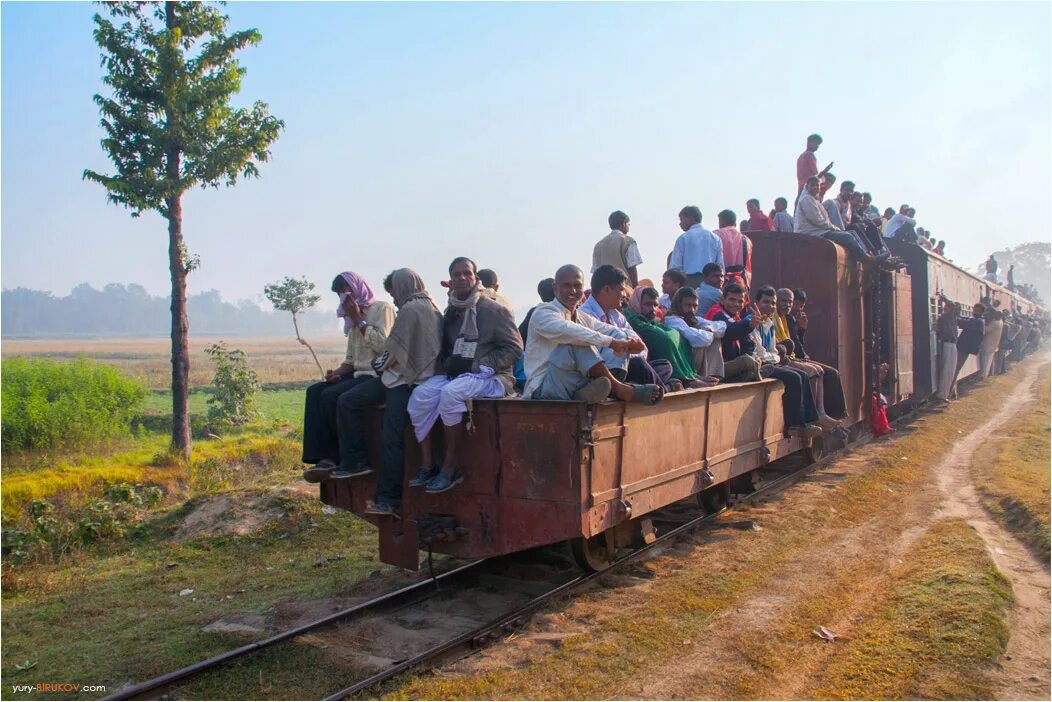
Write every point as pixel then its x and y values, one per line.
pixel 664 344
pixel 416 337
pixel 463 352
pixel 635 303
pixel 362 293
pixel 781 328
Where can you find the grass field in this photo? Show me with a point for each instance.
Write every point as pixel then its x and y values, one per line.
pixel 275 359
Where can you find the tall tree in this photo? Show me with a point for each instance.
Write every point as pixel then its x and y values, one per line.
pixel 170 127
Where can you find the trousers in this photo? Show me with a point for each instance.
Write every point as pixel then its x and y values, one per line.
pixel 319 418
pixel 568 367
pixel 947 368
pixel 350 420
pixel 708 360
pixel 438 396
pixel 743 369
pixel 849 241
pixel 798 404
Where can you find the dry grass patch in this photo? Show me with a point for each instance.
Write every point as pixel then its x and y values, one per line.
pixel 1012 476
pixel 935 636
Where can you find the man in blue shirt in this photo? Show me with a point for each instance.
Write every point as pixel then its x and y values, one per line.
pixel 695 247
pixel 711 289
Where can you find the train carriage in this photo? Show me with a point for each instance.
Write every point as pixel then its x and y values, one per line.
pixel 542 472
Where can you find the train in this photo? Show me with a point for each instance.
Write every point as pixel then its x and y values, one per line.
pixel 545 472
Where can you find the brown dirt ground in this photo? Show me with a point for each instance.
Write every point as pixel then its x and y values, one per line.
pixel 733 648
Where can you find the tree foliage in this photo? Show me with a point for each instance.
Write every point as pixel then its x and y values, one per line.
pixel 294 295
pixel 234 386
pixel 164 98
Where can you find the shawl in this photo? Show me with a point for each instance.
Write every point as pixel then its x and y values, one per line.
pixel 469 327
pixel 415 340
pixel 362 293
pixel 664 344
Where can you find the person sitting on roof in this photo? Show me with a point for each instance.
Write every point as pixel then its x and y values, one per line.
pixel 366 323
pixel 737 250
pixel 605 303
pixel 711 289
pixel 902 225
pixel 829 392
pixel 570 354
pixel 672 280
pixel 739 366
pixel 408 359
pixel 480 344
pixel 707 352
pixel 812 219
pixel 662 342
pixel 695 247
pixel 782 220
pixel 758 221
pixel 617 248
pixel 798 404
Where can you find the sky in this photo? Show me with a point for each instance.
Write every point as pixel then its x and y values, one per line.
pixel 508 132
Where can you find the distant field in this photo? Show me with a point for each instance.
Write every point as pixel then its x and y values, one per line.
pixel 275 359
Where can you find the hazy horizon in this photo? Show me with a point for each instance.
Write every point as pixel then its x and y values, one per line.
pixel 508 132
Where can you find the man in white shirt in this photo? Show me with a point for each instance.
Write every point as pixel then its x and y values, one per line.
pixel 901 226
pixel 563 350
pixel 617 248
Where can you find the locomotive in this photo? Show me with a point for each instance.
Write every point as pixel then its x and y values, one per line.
pixel 544 472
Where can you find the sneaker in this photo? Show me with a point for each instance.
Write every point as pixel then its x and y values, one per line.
pixel 341 474
pixel 318 473
pixel 424 476
pixel 381 509
pixel 443 482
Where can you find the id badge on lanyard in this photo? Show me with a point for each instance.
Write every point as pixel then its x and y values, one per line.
pixel 464 348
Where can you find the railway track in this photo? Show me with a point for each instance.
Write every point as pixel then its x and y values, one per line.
pixel 474 576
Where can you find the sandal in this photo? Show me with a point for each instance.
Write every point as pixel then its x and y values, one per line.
pixel 597 390
pixel 645 394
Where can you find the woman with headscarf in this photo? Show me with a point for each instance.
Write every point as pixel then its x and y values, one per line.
pixel 662 343
pixel 408 359
pixel 701 333
pixel 366 324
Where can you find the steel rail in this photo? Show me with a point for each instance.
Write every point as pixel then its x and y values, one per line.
pixel 397 598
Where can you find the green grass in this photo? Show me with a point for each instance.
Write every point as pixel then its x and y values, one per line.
pixel 283 405
pixel 943 624
pixel 118 617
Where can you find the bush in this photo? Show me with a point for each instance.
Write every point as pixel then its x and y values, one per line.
pixel 234 387
pixel 48 404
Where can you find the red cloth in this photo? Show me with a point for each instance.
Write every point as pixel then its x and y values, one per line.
pixel 759 222
pixel 715 310
pixel 878 415
pixel 806 166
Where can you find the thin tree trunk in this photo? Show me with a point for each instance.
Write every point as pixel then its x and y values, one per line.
pixel 181 440
pixel 304 342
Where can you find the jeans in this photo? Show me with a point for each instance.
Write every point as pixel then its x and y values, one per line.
pixel 350 416
pixel 849 241
pixel 319 418
pixel 798 405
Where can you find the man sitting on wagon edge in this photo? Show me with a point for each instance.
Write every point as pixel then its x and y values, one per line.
pixel 812 219
pixel 570 354
pixel 739 366
pixel 480 344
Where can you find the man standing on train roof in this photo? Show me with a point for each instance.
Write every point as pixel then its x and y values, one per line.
pixel 971 338
pixel 711 289
pixel 946 336
pixel 737 250
pixel 618 249
pixel 366 323
pixel 1009 277
pixel 812 219
pixel 695 247
pixel 564 353
pixel 782 220
pixel 480 344
pixel 807 163
pixel 758 221
pixel 991 269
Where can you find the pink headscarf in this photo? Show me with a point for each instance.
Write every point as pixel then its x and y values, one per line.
pixel 635 303
pixel 362 293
